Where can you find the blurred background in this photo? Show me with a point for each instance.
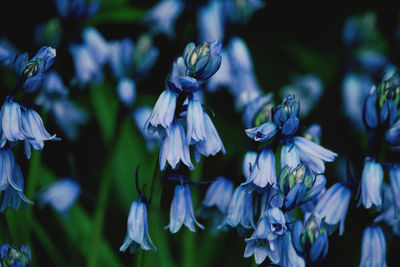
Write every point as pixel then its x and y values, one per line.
pixel 287 40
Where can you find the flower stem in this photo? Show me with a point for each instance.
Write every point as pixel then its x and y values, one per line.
pixel 158 235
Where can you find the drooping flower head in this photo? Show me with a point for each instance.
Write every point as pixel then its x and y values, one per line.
pixel 13 195
pixel 137 229
pixel 174 148
pixel 240 210
pixel 263 172
pixel 181 211
pixel 161 18
pixel 373 247
pixel 36 133
pixel 333 205
pixel 216 202
pixel 371 184
pixel 61 195
pixel 263 242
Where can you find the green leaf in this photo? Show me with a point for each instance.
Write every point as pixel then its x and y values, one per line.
pixel 105 106
pixel 121 14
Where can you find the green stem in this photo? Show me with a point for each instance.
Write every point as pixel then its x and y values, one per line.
pixel 12 226
pixel 156 228
pixel 104 190
pixel 48 244
pixel 100 212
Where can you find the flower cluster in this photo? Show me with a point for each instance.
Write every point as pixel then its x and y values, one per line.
pixel 178 105
pixel 279 234
pixel 381 120
pixel 20 122
pixel 12 256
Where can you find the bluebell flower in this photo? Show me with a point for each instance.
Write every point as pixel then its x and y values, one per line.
pixel 212 144
pixel 248 162
pixel 260 246
pixel 359 29
pixel 258 111
pixel 77 9
pixel 371 184
pixel 313 154
pixel 299 185
pixel 285 116
pixel 86 68
pixel 163 15
pixel 290 107
pixel 313 133
pixel 69 117
pixel 333 205
pixel 308 89
pixel 196 128
pixel 310 238
pixel 140 116
pixel 6 168
pixel 370 113
pixel 203 60
pixel 174 148
pixel 96 44
pixel 241 11
pixel 126 90
pixel 9 51
pixel 216 202
pixel 373 248
pixel 36 133
pixel 15 257
pixel 137 229
pixel 30 72
pixel 163 113
pixel 219 195
pixel 293 183
pixel 371 60
pixel 263 172
pixel 289 157
pixel 392 136
pixel 145 55
pixel 276 226
pixel 121 57
pixel 4 55
pixel 53 98
pixel 181 211
pixel 61 195
pixel 289 256
pixel 240 210
pixel 390 213
pixel 13 196
pixel 210 21
pixel 11 122
pixel 53 86
pixel 178 71
pixel 239 76
pixel 355 89
pixel 262 133
pixel 394 175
